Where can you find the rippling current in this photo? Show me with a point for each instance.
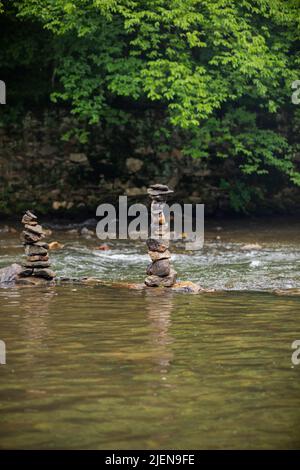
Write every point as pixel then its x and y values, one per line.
pixel 96 367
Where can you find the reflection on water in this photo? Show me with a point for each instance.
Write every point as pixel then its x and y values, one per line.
pixel 92 367
pixel 159 309
pixel 96 367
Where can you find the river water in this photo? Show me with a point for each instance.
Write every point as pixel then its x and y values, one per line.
pixel 96 367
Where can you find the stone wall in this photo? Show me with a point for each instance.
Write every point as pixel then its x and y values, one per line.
pixel 41 171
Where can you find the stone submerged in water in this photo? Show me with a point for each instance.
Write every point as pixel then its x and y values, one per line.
pixel 159 268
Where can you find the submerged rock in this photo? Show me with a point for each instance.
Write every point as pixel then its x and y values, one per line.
pixel 188 287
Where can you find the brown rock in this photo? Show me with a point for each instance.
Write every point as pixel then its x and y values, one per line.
pixel 157 245
pixel 156 281
pixel 159 268
pixel 29 218
pixel 187 287
pixel 157 255
pixel 34 258
pixel 30 237
pixel 36 229
pixel 35 250
pixel 55 246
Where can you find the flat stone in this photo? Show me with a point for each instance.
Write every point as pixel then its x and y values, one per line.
pixel 29 217
pixel 26 272
pixel 35 250
pixel 166 281
pixel 36 229
pixel 34 258
pixel 29 222
pixel 37 264
pixel 30 237
pixel 159 268
pixel 42 245
pixel 44 273
pixel 158 194
pixel 159 187
pixel 157 255
pixel 157 245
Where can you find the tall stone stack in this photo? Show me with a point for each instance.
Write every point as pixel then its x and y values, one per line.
pixel 160 272
pixel 37 262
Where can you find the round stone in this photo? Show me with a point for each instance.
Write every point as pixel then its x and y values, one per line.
pixel 159 268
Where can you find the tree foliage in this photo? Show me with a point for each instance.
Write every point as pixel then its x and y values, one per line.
pixel 216 72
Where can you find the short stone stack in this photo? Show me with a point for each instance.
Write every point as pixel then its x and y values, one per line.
pixel 160 272
pixel 37 263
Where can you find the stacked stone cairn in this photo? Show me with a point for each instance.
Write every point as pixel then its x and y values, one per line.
pixel 37 262
pixel 160 272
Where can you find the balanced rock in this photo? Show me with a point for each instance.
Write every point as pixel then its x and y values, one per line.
pixel 30 237
pixel 29 218
pixel 159 268
pixel 157 245
pixel 26 272
pixel 157 281
pixel 36 229
pixel 157 255
pixel 34 258
pixel 37 263
pixel 44 273
pixel 159 271
pixel 36 250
